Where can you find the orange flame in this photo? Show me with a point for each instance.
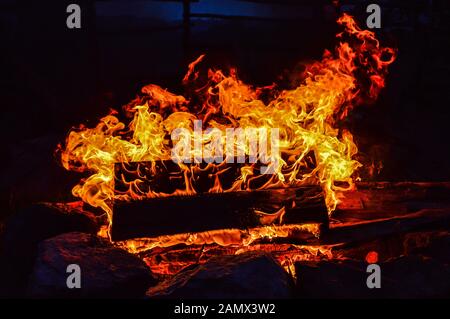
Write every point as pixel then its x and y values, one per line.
pixel 223 237
pixel 314 149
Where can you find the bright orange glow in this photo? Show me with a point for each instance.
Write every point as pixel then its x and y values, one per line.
pixel 314 148
pixel 372 257
pixel 224 237
pixel 169 262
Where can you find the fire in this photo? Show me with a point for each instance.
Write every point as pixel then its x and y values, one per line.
pixel 223 237
pixel 314 148
pixel 170 262
pixel 163 261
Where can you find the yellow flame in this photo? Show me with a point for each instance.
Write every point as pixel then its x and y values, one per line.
pixel 223 237
pixel 314 149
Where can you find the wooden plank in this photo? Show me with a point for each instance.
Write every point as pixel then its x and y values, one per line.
pixel 212 211
pixel 377 200
pixel 425 219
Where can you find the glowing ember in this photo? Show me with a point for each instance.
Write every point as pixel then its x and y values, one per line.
pixel 224 237
pixel 169 262
pixel 372 257
pixel 314 149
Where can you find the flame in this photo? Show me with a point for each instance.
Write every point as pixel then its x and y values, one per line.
pixel 314 148
pixel 170 262
pixel 223 237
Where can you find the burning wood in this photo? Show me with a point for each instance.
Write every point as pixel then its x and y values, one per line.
pixel 203 210
pixel 162 201
pixel 212 211
pixel 314 148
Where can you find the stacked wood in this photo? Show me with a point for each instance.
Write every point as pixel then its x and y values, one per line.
pixel 377 210
pixel 206 210
pixel 154 217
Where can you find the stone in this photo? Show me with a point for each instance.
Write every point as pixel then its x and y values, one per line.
pixel 106 271
pixel 331 279
pixel 27 227
pixel 411 276
pixel 248 275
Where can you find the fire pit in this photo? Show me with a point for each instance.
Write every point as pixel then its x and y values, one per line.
pixel 234 190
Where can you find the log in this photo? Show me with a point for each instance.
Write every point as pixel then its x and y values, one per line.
pixel 205 211
pixel 380 200
pixel 378 210
pixel 422 220
pixel 171 215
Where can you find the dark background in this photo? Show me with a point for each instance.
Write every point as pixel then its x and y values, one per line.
pixel 53 78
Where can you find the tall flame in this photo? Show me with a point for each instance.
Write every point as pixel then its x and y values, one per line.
pixel 314 149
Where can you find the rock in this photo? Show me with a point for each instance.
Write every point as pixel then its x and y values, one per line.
pixel 331 279
pixel 106 271
pixel 434 244
pixel 425 243
pixel 402 277
pixel 415 277
pixel 249 275
pixel 29 226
